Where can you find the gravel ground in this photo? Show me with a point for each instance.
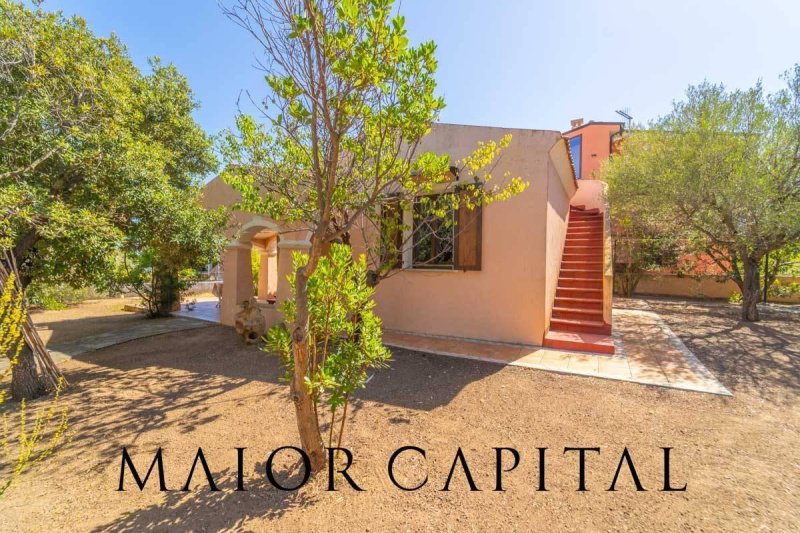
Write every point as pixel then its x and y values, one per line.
pixel 203 388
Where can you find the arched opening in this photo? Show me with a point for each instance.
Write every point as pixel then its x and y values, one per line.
pixel 262 234
pixel 251 268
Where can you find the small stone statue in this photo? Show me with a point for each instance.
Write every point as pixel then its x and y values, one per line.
pixel 249 322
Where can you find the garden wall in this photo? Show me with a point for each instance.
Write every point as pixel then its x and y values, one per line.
pixel 656 283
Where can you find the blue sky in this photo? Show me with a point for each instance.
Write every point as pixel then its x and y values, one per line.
pixel 513 63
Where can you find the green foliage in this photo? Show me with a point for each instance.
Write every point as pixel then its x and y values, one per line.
pixel 638 250
pixel 59 296
pixel 12 319
pixel 783 289
pixel 719 172
pixel 96 157
pixel 23 444
pixel 344 332
pixel 342 135
pixel 172 239
pixel 735 298
pixel 255 266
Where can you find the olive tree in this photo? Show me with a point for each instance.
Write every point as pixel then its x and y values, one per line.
pixel 722 171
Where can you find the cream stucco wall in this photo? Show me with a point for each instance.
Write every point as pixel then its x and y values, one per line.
pixel 559 194
pixel 509 298
pixel 590 194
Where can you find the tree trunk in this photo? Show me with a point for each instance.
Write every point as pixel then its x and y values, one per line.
pixel 751 290
pixel 626 279
pixel 307 422
pixel 26 383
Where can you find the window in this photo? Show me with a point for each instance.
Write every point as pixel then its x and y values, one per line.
pixel 575 150
pixel 433 236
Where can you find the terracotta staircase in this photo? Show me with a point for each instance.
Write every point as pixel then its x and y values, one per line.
pixel 577 318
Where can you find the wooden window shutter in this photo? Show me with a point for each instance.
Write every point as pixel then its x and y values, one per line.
pixel 392 234
pixel 469 230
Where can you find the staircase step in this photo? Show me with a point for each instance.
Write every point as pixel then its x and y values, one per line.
pixel 579 283
pixel 587 263
pixel 582 273
pixel 583 303
pixel 595 237
pixel 592 252
pixel 585 342
pixel 580 247
pixel 588 230
pixel 577 313
pixel 578 292
pixel 588 250
pixel 582 241
pixel 583 210
pixel 580 253
pixel 579 325
pixel 585 223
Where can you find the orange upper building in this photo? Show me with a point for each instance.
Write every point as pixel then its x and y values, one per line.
pixel 592 143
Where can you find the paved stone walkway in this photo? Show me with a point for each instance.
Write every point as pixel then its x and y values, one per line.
pixel 648 352
pixel 144 328
pixel 205 309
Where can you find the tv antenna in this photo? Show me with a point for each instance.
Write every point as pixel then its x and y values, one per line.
pixel 624 114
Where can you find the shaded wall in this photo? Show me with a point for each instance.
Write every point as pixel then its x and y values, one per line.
pixel 560 188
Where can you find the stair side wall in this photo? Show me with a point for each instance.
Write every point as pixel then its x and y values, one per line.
pixel 560 189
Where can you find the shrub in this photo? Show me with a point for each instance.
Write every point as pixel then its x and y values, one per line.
pixel 58 296
pixel 345 336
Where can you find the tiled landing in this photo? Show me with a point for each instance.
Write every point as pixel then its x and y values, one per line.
pixel 647 352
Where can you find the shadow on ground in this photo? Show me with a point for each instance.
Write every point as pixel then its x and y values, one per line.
pixel 224 510
pixel 205 388
pixel 148 380
pixel 761 358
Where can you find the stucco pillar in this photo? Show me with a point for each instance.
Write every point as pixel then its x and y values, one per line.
pixel 272 265
pixel 263 274
pixel 284 262
pixel 238 280
pixel 268 269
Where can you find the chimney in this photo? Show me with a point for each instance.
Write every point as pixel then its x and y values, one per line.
pixel 575 123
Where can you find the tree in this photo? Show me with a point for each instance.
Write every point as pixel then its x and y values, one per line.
pixel 90 147
pixel 349 101
pixel 165 245
pixel 722 170
pixel 638 249
pixel 344 334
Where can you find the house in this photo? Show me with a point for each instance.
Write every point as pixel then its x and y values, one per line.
pixel 591 143
pixel 537 271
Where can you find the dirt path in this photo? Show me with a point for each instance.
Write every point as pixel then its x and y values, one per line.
pixel 182 390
